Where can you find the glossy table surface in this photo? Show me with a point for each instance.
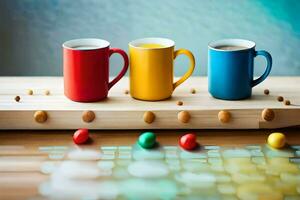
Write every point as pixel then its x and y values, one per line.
pixel 19 146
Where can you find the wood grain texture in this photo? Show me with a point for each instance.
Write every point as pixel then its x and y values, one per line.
pixel 120 111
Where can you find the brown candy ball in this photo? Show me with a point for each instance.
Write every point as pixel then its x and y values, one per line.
pixel 149 117
pixel 88 116
pixel 40 116
pixel 184 116
pixel 268 114
pixel 224 116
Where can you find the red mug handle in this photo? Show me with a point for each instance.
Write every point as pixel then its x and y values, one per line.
pixel 125 67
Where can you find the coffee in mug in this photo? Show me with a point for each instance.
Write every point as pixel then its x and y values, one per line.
pixel 231 66
pixel 230 47
pixel 86 69
pixel 151 45
pixel 151 68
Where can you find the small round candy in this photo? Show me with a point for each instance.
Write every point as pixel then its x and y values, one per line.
pixel 276 140
pixel 40 116
pixel 17 98
pixel 280 98
pixel 184 116
pixel 287 102
pixel 81 136
pixel 188 141
pixel 149 117
pixel 147 140
pixel 266 92
pixel 30 92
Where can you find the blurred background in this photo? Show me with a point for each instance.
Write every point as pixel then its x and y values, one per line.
pixel 32 31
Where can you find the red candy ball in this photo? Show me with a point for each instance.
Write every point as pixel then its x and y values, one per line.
pixel 188 141
pixel 81 136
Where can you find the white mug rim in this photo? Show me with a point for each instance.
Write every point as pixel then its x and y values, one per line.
pixel 97 43
pixel 248 44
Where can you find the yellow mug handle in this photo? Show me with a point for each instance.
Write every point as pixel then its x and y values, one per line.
pixel 191 68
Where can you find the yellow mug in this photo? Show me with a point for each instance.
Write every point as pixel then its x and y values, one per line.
pixel 151 68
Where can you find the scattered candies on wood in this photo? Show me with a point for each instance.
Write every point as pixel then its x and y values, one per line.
pixel 224 116
pixel 147 140
pixel 149 117
pixel 287 102
pixel 268 114
pixel 40 116
pixel 179 103
pixel 184 116
pixel 17 98
pixel 30 92
pixel 280 98
pixel 47 92
pixel 276 140
pixel 88 116
pixel 188 141
pixel 81 136
pixel 266 92
pixel 192 90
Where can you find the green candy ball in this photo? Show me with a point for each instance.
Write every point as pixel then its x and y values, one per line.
pixel 147 140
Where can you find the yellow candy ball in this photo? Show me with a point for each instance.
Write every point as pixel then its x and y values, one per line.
pixel 276 140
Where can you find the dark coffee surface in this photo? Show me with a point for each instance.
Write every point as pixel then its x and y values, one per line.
pixel 230 47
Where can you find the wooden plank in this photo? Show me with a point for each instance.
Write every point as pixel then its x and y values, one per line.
pixel 120 111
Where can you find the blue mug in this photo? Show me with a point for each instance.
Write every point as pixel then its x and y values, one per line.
pixel 230 68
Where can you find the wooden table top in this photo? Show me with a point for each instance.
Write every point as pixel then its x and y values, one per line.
pixel 120 111
pixel 111 114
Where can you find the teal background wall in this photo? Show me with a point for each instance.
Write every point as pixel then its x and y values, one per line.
pixel 32 31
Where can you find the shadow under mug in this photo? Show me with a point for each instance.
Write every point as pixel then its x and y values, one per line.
pixel 151 68
pixel 230 71
pixel 86 69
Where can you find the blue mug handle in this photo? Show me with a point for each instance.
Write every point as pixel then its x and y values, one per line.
pixel 268 69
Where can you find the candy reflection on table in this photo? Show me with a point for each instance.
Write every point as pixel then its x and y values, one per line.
pixel 168 172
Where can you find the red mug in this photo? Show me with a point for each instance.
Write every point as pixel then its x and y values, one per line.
pixel 86 69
